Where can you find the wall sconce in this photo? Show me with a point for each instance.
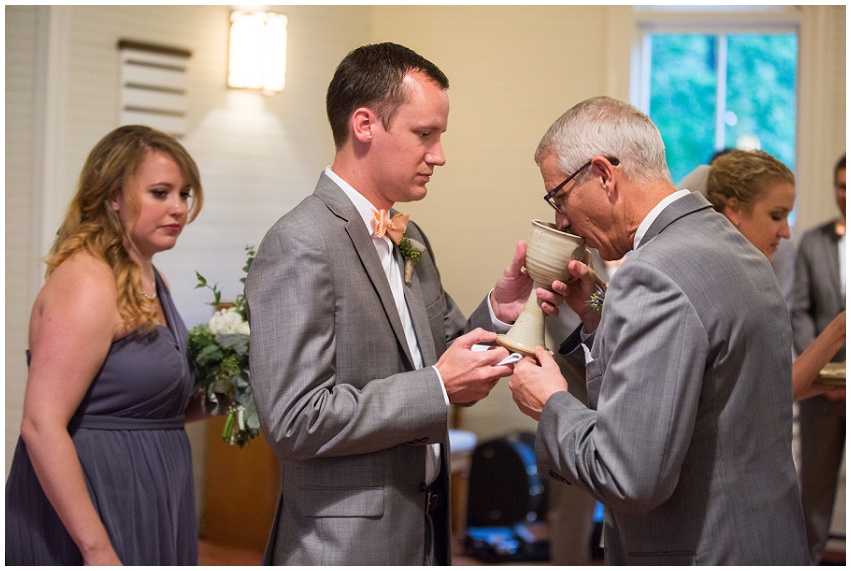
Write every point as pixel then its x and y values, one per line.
pixel 258 51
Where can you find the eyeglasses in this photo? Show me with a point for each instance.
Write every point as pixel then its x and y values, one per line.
pixel 550 196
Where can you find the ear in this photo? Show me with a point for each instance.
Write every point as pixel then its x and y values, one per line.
pixel 606 173
pixel 115 202
pixel 733 211
pixel 362 124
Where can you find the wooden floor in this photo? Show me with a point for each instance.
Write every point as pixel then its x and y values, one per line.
pixel 211 554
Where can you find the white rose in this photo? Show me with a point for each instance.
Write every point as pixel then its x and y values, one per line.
pixel 226 321
pixel 243 328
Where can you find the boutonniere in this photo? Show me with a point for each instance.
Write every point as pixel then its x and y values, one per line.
pixel 411 252
pixel 597 298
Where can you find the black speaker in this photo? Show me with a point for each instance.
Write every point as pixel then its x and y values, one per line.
pixel 504 487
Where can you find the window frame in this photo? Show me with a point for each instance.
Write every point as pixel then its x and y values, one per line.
pixel 821 107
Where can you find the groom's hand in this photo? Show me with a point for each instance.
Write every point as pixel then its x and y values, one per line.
pixel 470 375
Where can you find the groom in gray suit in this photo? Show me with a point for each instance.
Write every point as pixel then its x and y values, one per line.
pixel 688 438
pixel 354 360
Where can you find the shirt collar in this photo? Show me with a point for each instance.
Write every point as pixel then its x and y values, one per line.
pixel 362 205
pixel 653 214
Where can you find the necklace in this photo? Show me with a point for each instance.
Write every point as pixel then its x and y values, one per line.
pixel 152 295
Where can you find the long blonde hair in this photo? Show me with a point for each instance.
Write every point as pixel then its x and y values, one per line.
pixel 92 226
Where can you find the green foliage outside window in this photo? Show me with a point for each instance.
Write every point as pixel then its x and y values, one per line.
pixel 759 99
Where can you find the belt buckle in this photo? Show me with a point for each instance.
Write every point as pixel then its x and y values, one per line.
pixel 431 500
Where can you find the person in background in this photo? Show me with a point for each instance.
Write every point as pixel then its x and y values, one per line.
pixel 756 192
pixel 354 361
pixel 687 441
pixel 819 297
pixel 102 472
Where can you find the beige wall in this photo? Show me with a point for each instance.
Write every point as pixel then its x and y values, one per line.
pixel 512 71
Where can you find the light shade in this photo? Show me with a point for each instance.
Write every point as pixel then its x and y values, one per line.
pixel 258 51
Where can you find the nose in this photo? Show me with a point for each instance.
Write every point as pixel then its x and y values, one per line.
pixel 179 205
pixel 435 155
pixel 785 232
pixel 562 221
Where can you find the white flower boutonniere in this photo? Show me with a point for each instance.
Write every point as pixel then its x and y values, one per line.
pixel 411 252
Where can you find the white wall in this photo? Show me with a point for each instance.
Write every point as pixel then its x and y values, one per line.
pixel 21 259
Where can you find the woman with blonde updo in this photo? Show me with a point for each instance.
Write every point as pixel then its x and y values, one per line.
pixel 756 192
pixel 102 473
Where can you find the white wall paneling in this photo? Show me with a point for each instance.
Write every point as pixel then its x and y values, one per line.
pixel 153 86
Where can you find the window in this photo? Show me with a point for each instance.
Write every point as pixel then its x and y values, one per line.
pixel 709 91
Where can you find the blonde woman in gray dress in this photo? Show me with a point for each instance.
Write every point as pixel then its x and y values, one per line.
pixel 102 472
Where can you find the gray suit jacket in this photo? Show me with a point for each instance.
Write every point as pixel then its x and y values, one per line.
pixel 818 294
pixel 339 400
pixel 688 441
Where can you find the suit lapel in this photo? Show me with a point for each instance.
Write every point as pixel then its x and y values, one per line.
pixel 341 206
pixel 419 317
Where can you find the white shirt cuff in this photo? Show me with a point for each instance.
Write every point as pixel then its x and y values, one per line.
pixel 498 326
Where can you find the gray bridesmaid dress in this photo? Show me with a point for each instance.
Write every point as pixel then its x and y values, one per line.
pixel 130 438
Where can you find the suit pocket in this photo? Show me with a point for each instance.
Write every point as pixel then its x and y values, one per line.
pixel 341 502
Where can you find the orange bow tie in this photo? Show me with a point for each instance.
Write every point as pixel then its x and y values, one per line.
pixel 394 227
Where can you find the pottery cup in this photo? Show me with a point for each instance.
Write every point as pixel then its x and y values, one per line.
pixel 548 252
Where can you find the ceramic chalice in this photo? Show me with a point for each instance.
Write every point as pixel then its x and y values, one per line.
pixel 548 252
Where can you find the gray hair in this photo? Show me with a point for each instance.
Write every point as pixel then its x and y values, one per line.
pixel 611 128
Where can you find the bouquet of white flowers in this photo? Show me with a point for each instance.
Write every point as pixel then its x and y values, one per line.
pixel 218 352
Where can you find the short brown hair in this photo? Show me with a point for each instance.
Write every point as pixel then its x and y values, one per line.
pixel 373 76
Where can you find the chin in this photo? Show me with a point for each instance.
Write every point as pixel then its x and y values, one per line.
pixel 416 195
pixel 166 246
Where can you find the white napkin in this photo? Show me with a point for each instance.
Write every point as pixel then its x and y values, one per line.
pixel 512 358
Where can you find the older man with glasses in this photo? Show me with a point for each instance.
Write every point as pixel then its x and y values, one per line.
pixel 687 439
